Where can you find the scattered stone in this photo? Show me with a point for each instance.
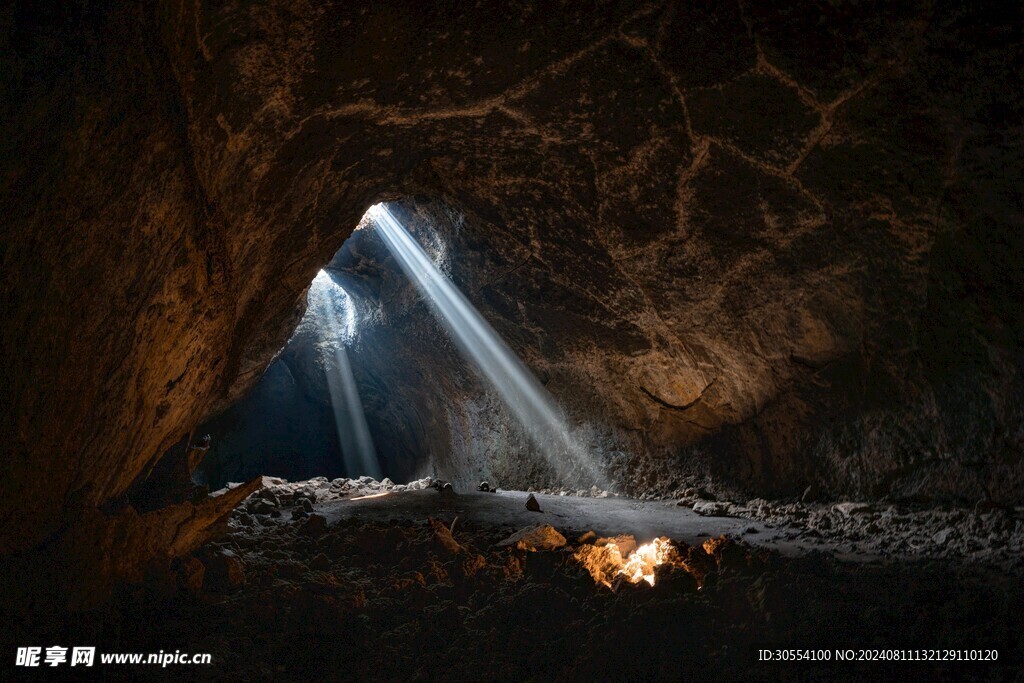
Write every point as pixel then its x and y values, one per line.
pixel 261 507
pixel 532 505
pixel 484 486
pixel 710 508
pixel 535 538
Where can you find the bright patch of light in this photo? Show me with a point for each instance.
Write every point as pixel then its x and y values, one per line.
pixel 372 495
pixel 606 563
pixel 324 293
pixel 526 398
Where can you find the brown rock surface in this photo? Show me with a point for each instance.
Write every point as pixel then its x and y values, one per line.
pixel 536 538
pixel 776 247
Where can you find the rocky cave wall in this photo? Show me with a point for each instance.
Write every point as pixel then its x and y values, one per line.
pixel 780 244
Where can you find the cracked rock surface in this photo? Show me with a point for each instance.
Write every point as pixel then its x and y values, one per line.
pixel 774 246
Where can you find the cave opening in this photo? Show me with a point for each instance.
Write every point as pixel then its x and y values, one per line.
pixel 335 402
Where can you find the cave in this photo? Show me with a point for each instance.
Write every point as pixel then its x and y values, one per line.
pixel 450 341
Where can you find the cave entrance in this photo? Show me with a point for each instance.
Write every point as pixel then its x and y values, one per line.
pixel 390 373
pixel 306 417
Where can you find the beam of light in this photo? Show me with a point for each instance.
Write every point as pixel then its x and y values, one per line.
pixel 337 316
pixel 526 398
pixel 372 495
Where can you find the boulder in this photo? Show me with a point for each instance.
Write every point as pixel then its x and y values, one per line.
pixel 710 508
pixel 535 538
pixel 848 509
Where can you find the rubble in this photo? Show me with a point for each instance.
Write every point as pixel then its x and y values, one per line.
pixel 895 530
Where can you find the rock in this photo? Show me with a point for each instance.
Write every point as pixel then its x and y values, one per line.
pixel 444 537
pixel 587 537
pixel 626 543
pixel 484 486
pixel 848 509
pixel 940 537
pixel 532 505
pixel 535 538
pixel 711 508
pixel 263 507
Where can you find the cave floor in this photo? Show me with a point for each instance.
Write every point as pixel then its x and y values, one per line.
pixel 574 515
pixel 335 582
pixel 848 532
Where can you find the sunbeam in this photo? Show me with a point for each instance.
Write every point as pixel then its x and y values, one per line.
pixel 527 399
pixel 335 307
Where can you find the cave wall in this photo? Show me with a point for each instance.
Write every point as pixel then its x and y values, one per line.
pixel 782 243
